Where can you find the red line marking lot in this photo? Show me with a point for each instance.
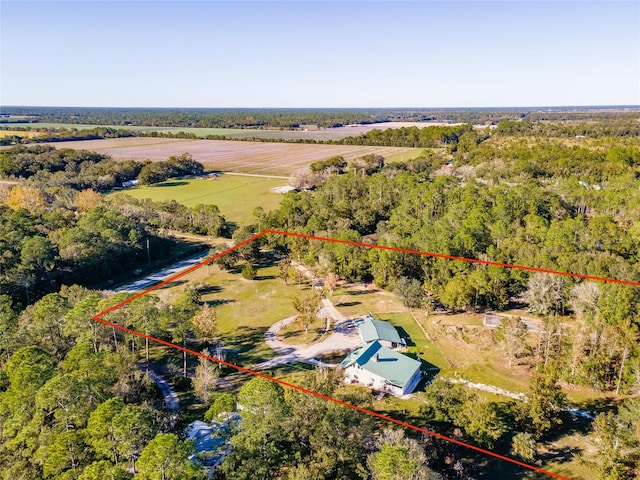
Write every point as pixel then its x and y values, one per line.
pixel 98 318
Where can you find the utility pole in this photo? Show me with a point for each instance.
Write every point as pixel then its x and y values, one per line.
pixel 148 252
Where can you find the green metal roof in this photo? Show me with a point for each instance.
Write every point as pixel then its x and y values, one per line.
pixel 394 367
pixel 372 330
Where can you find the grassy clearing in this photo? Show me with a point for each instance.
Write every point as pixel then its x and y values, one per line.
pixel 404 157
pixel 356 300
pixel 295 334
pixel 235 196
pixel 247 308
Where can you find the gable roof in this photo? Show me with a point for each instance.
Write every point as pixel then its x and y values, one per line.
pixel 396 368
pixel 372 330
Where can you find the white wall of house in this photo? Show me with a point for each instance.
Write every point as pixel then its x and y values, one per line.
pixel 355 374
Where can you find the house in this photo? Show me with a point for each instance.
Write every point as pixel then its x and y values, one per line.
pixel 381 368
pixel 211 440
pixel 130 183
pixel 372 330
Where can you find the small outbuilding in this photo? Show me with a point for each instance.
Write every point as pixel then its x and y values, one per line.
pixel 372 330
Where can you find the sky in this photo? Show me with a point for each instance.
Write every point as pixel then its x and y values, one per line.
pixel 319 54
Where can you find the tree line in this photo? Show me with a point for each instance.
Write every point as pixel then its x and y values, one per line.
pixel 293 118
pixel 48 167
pixel 58 226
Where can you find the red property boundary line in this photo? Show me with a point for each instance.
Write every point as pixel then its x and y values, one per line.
pixel 98 318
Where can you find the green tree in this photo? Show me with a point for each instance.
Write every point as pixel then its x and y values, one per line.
pixel 410 292
pixel 248 271
pixel 457 294
pixel 523 445
pixel 307 307
pixel 545 402
pixel 44 323
pixel 606 439
pixel 399 458
pixel 27 370
pixel 104 470
pixel 483 421
pixel 223 403
pixel 37 255
pixel 64 453
pixel 118 431
pixel 167 458
pixel 8 326
pixel 79 324
pixel 152 173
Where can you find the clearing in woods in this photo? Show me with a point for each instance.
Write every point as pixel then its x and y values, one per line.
pixel 235 195
pixel 226 295
pixel 231 156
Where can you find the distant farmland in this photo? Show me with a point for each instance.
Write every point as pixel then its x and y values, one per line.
pixel 232 156
pixel 335 133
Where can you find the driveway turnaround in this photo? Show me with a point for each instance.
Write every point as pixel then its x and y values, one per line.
pixel 344 337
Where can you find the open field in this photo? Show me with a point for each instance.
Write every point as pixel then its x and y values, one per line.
pixel 245 308
pixel 336 133
pixel 235 195
pixel 245 157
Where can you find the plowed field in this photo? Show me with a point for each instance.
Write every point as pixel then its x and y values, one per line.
pixel 230 156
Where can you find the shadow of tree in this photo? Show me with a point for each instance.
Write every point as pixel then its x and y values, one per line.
pixel 205 290
pixel 171 184
pixel 219 301
pixel 348 304
pixel 403 334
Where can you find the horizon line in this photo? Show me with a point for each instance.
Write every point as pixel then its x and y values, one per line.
pixel 510 107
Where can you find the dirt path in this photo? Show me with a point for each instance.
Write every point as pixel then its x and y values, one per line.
pixel 170 396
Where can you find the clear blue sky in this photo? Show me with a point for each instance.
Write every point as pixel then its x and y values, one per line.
pixel 319 54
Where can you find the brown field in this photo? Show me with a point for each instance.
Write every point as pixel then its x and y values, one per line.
pixel 230 156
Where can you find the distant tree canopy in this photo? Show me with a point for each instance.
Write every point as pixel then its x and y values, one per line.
pixel 81 169
pixel 428 137
pixel 291 118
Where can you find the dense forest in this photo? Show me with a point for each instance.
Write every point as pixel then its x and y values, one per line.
pixel 549 206
pixel 57 226
pixel 75 400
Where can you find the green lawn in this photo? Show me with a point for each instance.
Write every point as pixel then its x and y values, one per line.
pixel 355 301
pixel 418 343
pixel 404 157
pixel 235 196
pixel 247 308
